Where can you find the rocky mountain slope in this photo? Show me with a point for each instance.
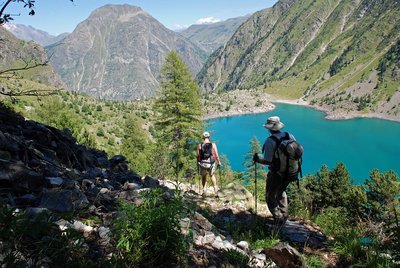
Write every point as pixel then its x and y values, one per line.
pixel 212 36
pixel 45 172
pixel 337 54
pixel 28 33
pixel 17 54
pixel 117 53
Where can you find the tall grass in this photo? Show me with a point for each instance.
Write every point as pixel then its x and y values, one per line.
pixel 149 235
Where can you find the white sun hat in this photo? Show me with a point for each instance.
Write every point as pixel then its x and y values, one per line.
pixel 206 135
pixel 274 123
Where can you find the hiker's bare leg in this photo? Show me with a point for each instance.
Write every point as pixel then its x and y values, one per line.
pixel 203 182
pixel 214 182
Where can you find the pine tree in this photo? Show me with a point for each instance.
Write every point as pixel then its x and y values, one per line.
pixel 178 123
pixel 383 198
pixel 134 144
pixel 255 147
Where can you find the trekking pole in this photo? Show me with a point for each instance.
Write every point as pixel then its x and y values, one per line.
pixel 255 186
pixel 219 171
pixel 198 173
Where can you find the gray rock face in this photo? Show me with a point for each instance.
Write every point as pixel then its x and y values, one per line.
pixel 298 233
pixel 16 53
pixel 64 200
pixel 18 176
pixel 117 53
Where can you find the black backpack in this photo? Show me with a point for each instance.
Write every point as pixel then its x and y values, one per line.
pixel 287 158
pixel 206 152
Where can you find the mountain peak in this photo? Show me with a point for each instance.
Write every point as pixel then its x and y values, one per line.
pixel 121 49
pixel 113 11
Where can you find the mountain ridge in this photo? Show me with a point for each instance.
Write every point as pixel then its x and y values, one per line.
pixel 212 36
pixel 28 33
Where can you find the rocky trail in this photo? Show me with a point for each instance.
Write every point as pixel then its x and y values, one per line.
pixel 44 169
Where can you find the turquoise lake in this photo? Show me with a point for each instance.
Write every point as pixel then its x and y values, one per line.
pixel 361 144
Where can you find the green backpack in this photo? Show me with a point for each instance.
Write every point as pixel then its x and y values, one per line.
pixel 288 158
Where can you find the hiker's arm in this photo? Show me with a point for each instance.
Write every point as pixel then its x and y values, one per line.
pixel 268 149
pixel 257 159
pixel 216 154
pixel 198 153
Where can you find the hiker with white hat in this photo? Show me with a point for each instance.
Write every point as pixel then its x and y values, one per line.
pixel 207 157
pixel 276 183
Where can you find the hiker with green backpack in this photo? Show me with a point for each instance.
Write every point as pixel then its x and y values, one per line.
pixel 283 155
pixel 207 159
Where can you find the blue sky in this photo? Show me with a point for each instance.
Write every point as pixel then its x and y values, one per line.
pixel 58 16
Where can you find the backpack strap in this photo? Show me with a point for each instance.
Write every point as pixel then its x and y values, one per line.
pixel 301 174
pixel 278 140
pixel 201 151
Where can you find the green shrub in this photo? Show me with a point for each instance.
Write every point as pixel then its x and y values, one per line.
pixel 333 221
pixel 149 235
pixel 255 233
pixel 236 258
pixel 349 246
pixel 268 242
pixel 100 132
pixel 314 262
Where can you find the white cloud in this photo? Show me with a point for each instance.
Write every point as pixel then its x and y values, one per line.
pixel 178 27
pixel 207 20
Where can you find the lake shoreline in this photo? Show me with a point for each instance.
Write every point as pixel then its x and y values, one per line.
pixel 330 114
pixel 233 136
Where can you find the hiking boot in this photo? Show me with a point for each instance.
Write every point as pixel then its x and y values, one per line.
pixel 203 192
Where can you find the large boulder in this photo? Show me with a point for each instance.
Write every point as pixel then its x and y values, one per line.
pixel 285 256
pixel 235 192
pixel 63 200
pixel 17 176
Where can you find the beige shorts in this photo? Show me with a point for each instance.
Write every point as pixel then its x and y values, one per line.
pixel 210 170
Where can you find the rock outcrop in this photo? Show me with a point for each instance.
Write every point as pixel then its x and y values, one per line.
pixel 18 54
